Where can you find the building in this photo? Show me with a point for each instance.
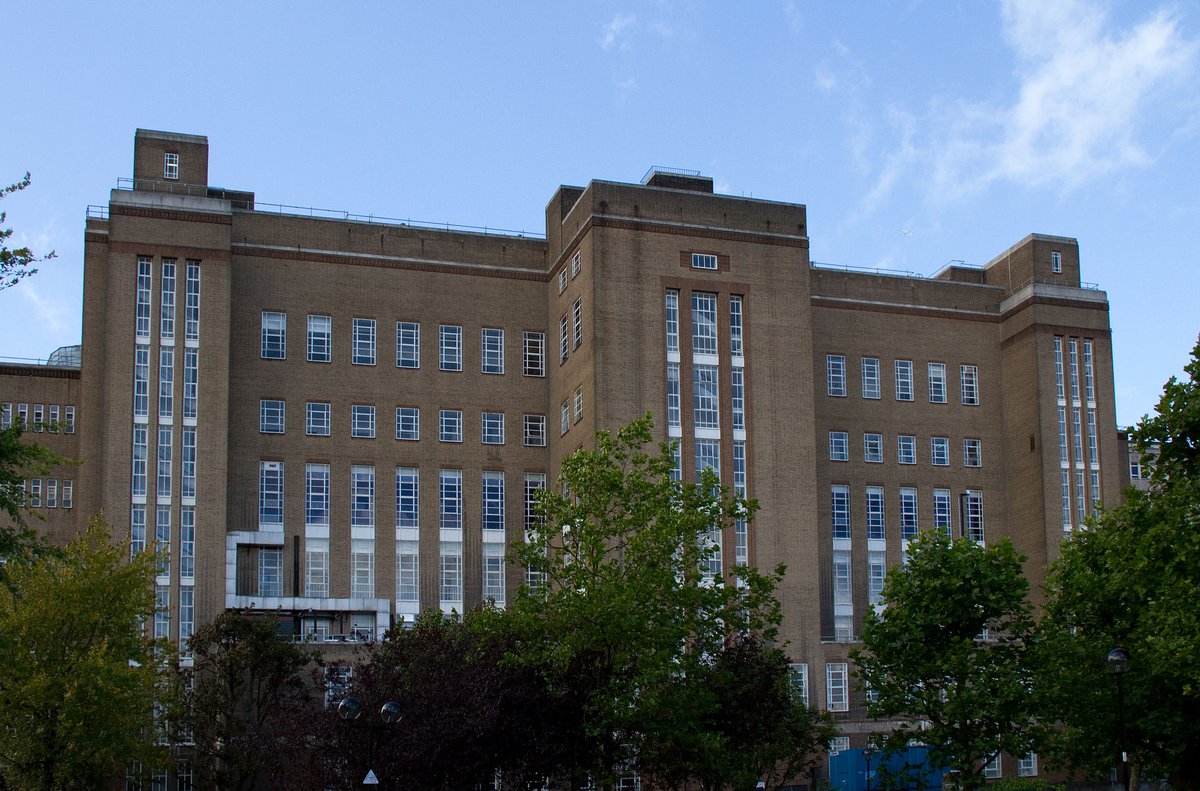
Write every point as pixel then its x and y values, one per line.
pixel 340 420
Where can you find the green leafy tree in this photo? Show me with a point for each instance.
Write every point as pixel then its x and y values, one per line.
pixel 950 655
pixel 624 609
pixel 79 678
pixel 15 264
pixel 18 461
pixel 1132 579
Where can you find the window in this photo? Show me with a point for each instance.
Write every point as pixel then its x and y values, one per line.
pixel 873 448
pixel 171 166
pixel 737 391
pixel 577 323
pixel 576 263
pixel 705 396
pixel 876 572
pixel 363 342
pixel 69 419
pixel 1027 765
pixel 408 497
pixel 535 431
pixel 562 280
pixel 162 631
pixel 1135 469
pixel 908 512
pixel 274 335
pixel 708 456
pixel 578 401
pixel 492 359
pixel 187 627
pixel 838 744
pixel 798 672
pixel 673 402
pixel 735 326
pixel 451 494
pixel 972 453
pixel 450 425
pixel 362 421
pixel 906 449
pixel 271 416
pixel 969 379
pixel 450 569
pixel 870 377
pixel 142 319
pixel 841 510
pixel 836 697
pixel 316 495
pixel 167 305
pixel 904 380
pixel 408 344
pixel 162 539
pixel 191 392
pixel 317 418
pixel 835 369
pixel 165 450
pixel 320 339
pixel 191 310
pixel 140 444
pixel 564 340
pixel 362 496
pixel 137 530
pixel 141 383
pixel 316 567
pixel 187 471
pixel 974 516
pixel 408 423
pixel 939 451
pixel 992 769
pixel 35 493
pixel 450 347
pixel 270 495
pixel 875 527
pixel 704 323
pixel 937 383
pixel 672 313
pixel 408 569
pixel 839 446
pixel 166 383
pixel 492 517
pixel 704 261
pixel 362 568
pixel 68 494
pixel 493 428
pixel 6 415
pixel 270 571
pixel 1056 262
pixel 534 346
pixel 565 417
pixel 941 510
pixel 39 417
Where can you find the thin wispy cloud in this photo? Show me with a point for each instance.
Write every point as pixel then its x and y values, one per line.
pixel 616 33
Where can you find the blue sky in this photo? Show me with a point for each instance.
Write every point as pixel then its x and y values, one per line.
pixel 917 133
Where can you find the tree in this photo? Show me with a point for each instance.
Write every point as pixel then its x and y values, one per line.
pixel 950 654
pixel 15 263
pixel 19 460
pixel 1132 579
pixel 249 702
pixel 78 676
pixel 625 607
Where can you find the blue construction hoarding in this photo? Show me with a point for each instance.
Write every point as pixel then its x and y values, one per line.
pixel 907 770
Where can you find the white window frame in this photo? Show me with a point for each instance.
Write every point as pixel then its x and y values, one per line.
pixel 171 166
pixel 909 523
pixel 408 423
pixel 492 431
pixel 876 522
pixel 1056 262
pixel 576 264
pixel 450 425
pixel 704 323
pixel 972 452
pixel 491 498
pixel 533 345
pixel 318 418
pixel 491 341
pixel 577 323
pixel 835 375
pixel 839 446
pixel 939 451
pixel 408 344
pixel 840 510
pixel 272 416
pixel 362 341
pixel 837 693
pixel 320 338
pixel 906 449
pixel 362 421
pixel 873 447
pixel 937 383
pixel 969 384
pixel 577 400
pixel 534 431
pixel 871 383
pixel 704 261
pixel 408 497
pixel 904 380
pixel 450 347
pixel 565 417
pixel 274 335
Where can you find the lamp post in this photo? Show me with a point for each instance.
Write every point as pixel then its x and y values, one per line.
pixel 350 710
pixel 868 753
pixel 1118 662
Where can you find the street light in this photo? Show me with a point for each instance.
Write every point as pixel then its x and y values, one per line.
pixel 1118 662
pixel 351 711
pixel 868 753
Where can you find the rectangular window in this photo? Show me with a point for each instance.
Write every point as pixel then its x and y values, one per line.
pixel 493 501
pixel 492 358
pixel 842 593
pixel 974 515
pixel 737 391
pixel 320 339
pixel 908 513
pixel 316 567
pixel 562 280
pixel 576 263
pixel 937 383
pixel 363 352
pixel 941 510
pixel 873 448
pixel 362 421
pixel 6 415
pixel 672 314
pixel 972 453
pixel 137 530
pixel 705 396
pixel 1089 376
pixel 69 419
pixel 142 318
pixel 564 339
pixel 53 417
pixel 166 383
pixel 166 310
pixel 408 423
pixel 450 572
pixel 1056 262
pixel 1073 360
pixel 735 326
pixel 191 314
pixel 904 380
pixel 906 449
pixel 451 499
pixel 875 526
pixel 187 542
pixel 362 568
pixel 493 428
pixel 408 571
pixel 165 453
pixel 534 353
pixel 362 496
pixel 577 323
pixel 992 769
pixel 39 417
pixel 836 691
pixel 704 261
pixel 317 418
pixel 564 417
pixel 316 495
pixel 23 415
pixel 187 468
pixel 170 166
pixel 408 497
pixel 493 573
pixel 798 673
pixel 741 533
pixel 577 400
pixel 270 495
pixel 870 377
pixel 969 379
pixel 835 370
pixel 450 347
pixel 274 335
pixel 162 539
pixel 839 446
pixel 534 483
pixel 35 493
pixel 535 431
pixel 52 493
pixel 191 375
pixel 876 572
pixel 140 452
pixel 187 624
pixel 1059 387
pixel 841 510
pixel 704 323
pixel 708 456
pixel 450 425
pixel 408 344
pixel 141 382
pixel 68 494
pixel 939 451
pixel 162 614
pixel 271 416
pixel 1027 765
pixel 673 398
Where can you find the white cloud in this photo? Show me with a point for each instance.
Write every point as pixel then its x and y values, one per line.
pixel 616 32
pixel 48 312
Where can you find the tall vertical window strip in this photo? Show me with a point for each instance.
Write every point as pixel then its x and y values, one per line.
pixel 974 516
pixel 870 377
pixel 1093 446
pixel 408 498
pixel 165 451
pixel 705 396
pixel 735 326
pixel 533 345
pixel 704 323
pixel 270 495
pixel 492 358
pixel 941 510
pixel 876 570
pixel 320 339
pixel 835 375
pixel 673 405
pixel 904 380
pixel 162 612
pixel 167 304
pixel 841 510
pixel 362 496
pixel 908 512
pixel 1062 437
pixel 451 572
pixel 836 690
pixel 738 392
pixel 191 375
pixel 577 323
pixel 187 542
pixel 362 567
pixel 191 314
pixel 875 528
pixel 187 618
pixel 162 539
pixel 450 347
pixel 274 335
pixel 363 340
pixel 672 314
pixel 1089 378
pixel 1077 431
pixel 741 532
pixel 1080 497
pixel 969 383
pixel 1065 487
pixel 492 517
pixel 316 567
pixel 187 467
pixel 137 530
pixel 1073 361
pixel 708 456
pixel 937 383
pixel 842 591
pixel 451 499
pixel 408 344
pixel 408 570
pixel 493 572
pixel 142 315
pixel 166 383
pixel 1059 388
pixel 141 382
pixel 140 443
